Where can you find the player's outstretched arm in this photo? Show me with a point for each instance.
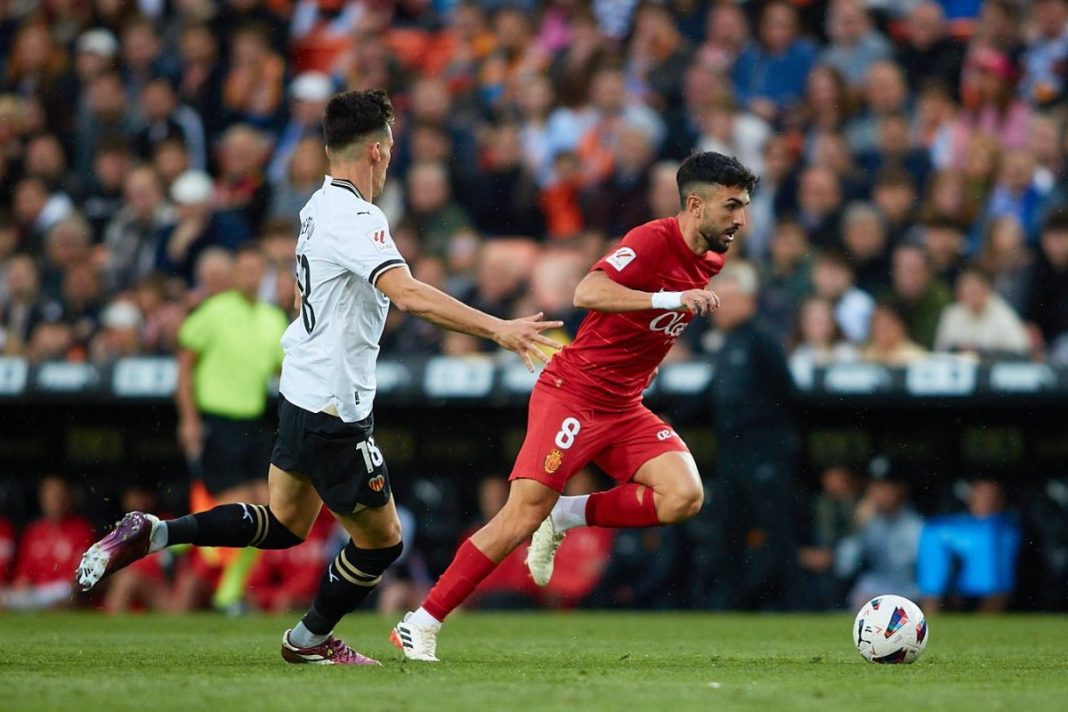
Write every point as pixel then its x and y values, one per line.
pixel 599 292
pixel 524 336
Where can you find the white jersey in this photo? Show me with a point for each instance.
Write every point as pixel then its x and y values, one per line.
pixel 331 348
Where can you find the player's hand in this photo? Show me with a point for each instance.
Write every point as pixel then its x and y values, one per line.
pixel 700 301
pixel 525 335
pixel 191 437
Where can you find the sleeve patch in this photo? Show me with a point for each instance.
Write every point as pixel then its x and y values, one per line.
pixel 381 240
pixel 621 258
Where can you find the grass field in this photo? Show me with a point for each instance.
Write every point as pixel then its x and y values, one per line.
pixel 537 661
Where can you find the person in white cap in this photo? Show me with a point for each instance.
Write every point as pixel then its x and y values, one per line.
pixel 199 226
pixel 308 95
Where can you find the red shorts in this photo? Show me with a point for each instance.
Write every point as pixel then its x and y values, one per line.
pixel 562 438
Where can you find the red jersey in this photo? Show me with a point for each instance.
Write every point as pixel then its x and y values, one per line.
pixel 50 550
pixel 613 355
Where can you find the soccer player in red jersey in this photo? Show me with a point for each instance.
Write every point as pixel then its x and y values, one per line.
pixel 587 403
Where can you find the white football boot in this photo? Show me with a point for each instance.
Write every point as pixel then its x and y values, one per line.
pixel 417 642
pixel 542 551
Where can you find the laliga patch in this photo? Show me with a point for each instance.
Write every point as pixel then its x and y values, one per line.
pixel 621 258
pixel 381 240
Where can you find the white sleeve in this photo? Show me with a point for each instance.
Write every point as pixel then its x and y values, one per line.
pixel 367 249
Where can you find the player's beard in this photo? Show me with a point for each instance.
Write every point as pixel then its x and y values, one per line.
pixel 716 240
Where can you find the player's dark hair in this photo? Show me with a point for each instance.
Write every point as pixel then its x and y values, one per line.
pixel 352 115
pixel 712 168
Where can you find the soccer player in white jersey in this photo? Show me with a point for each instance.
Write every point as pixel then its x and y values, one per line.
pixel 348 273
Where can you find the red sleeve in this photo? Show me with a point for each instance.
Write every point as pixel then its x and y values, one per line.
pixel 636 262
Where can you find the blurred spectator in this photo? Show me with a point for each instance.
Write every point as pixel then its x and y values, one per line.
pixel 104 114
pixel 619 201
pixel 829 104
pixel 82 298
pixel 503 201
pixel 866 247
pixel 242 187
pixel 7 551
pixel 889 343
pixel 431 209
pixel 991 105
pixel 1045 555
pixel 980 321
pixel 131 238
pixel 1042 83
pixel 36 210
pixel 573 66
pixel 818 340
pixel 833 280
pixel 308 95
pixel 199 226
pixel 658 57
pixel 778 184
pixel 769 74
pixel 970 555
pixel 786 279
pixel 201 74
pixel 855 45
pixel 894 194
pixel 934 124
pixel 1017 194
pixel 1047 298
pixel 945 245
pixel 67 244
pixel 752 545
pixel 23 305
pixel 170 159
pixel 1004 255
pixel 161 316
pixel 833 513
pixel 949 199
pixel 726 36
pixel 49 551
pixel 928 53
pixel 120 333
pixel 642 570
pixel 885 94
pixel 819 200
pixel 881 556
pixel 304 175
pixel 163 117
pixel 35 64
pixel 919 296
pixel 102 199
pixel 733 132
pixel 142 57
pixel 278 240
pixel 252 87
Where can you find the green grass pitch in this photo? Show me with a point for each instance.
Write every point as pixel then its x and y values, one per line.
pixel 536 661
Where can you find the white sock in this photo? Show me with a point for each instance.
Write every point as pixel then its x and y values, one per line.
pixel 158 539
pixel 423 619
pixel 304 638
pixel 569 512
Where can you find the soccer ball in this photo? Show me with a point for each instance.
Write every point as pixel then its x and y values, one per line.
pixel 890 629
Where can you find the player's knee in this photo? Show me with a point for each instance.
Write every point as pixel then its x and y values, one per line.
pixel 681 504
pixel 274 533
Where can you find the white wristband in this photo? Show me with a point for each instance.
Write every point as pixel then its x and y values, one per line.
pixel 667 300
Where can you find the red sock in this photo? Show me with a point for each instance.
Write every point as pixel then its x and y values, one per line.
pixel 465 573
pixel 629 505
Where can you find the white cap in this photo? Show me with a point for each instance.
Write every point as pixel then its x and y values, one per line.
pixel 311 86
pixel 192 187
pixel 98 41
pixel 121 315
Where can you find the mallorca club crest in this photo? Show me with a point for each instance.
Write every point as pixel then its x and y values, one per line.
pixel 553 460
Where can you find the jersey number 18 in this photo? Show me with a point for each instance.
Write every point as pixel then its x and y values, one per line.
pixel 307 313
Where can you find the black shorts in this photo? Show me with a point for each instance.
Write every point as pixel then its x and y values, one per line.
pixel 235 452
pixel 340 459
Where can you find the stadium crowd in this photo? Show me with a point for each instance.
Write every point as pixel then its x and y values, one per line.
pixel 913 195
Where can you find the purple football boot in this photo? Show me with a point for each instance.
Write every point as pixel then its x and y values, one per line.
pixel 125 544
pixel 331 651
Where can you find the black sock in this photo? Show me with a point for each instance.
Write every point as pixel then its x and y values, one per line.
pixel 348 579
pixel 237 525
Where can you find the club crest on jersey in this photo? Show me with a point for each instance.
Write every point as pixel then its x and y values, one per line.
pixel 380 239
pixel 377 483
pixel 621 258
pixel 553 461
